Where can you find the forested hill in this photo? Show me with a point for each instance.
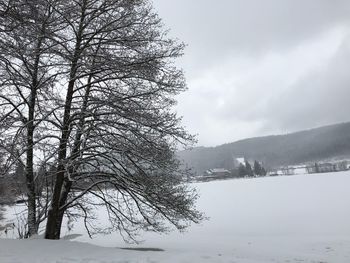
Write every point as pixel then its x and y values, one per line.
pixel 295 148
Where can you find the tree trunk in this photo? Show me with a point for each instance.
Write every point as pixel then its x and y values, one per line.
pixel 30 178
pixel 55 216
pixel 51 230
pixel 54 224
pixel 32 220
pixel 52 221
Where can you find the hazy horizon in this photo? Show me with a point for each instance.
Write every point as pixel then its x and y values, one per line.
pixel 275 134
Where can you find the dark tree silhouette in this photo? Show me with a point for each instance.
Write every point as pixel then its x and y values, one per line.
pixel 89 98
pixel 249 169
pixel 242 170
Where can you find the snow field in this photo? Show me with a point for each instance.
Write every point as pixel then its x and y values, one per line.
pixel 301 218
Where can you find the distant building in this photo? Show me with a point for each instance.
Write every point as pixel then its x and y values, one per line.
pixel 326 167
pixel 300 170
pixel 311 169
pixel 341 166
pixel 322 168
pixel 217 172
pixel 295 169
pixel 288 170
pixel 275 173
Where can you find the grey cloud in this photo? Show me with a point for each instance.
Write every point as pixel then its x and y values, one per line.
pixel 214 28
pixel 320 98
pixel 241 82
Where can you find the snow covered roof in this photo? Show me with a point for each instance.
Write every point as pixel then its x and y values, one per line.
pixel 219 170
pixel 240 160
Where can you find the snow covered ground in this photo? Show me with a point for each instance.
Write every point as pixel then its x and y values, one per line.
pixel 302 218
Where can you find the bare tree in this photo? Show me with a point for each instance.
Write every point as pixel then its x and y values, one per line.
pixel 106 126
pixel 118 129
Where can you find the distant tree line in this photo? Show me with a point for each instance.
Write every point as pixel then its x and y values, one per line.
pixel 247 170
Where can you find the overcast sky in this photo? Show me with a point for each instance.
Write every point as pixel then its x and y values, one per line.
pixel 259 67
